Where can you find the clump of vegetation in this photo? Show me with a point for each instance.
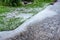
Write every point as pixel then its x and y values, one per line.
pixel 10 23
pixel 10 2
pixel 18 2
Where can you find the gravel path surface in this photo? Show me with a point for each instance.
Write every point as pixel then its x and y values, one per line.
pixel 43 26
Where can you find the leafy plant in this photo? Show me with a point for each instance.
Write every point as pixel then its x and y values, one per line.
pixel 10 2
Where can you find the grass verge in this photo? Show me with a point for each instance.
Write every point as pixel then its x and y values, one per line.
pixel 4 9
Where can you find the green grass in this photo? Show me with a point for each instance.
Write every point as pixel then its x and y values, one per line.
pixel 9 23
pixel 36 3
pixel 4 9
